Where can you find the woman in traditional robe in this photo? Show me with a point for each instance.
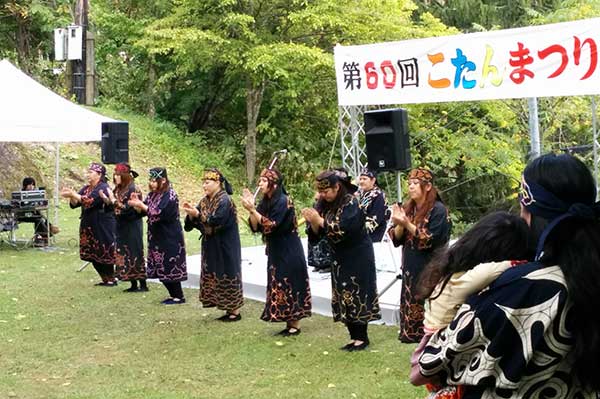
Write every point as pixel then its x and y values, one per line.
pixel 221 273
pixel 354 299
pixel 288 291
pixel 533 333
pixel 421 226
pixel 371 200
pixel 130 262
pixel 166 246
pixel 97 225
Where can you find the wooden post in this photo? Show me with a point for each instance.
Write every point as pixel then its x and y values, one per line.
pixel 90 69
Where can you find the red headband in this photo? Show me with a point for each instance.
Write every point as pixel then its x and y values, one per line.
pixel 122 168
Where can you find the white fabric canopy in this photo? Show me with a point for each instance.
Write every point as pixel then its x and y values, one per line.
pixel 30 112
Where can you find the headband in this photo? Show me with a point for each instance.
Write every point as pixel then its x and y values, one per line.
pixel 422 174
pixel 158 173
pixel 216 175
pixel 271 175
pixel 125 169
pixel 98 168
pixel 540 202
pixel 330 178
pixel 369 173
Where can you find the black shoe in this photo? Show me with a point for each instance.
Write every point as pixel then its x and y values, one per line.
pixel 361 347
pixel 288 333
pixel 230 317
pixel 173 301
pixel 143 289
pixel 347 347
pixel 131 289
pixel 407 340
pixel 106 284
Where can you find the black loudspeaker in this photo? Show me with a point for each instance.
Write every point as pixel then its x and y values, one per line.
pixel 115 142
pixel 386 135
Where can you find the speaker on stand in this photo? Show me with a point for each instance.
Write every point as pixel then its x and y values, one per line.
pixel 388 149
pixel 115 142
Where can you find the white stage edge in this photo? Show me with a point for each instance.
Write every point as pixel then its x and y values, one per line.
pixel 254 277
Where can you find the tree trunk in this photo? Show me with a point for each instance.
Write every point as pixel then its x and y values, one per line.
pixel 254 97
pixel 218 93
pixel 22 43
pixel 151 106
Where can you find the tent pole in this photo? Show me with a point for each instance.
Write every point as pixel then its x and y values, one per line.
pixel 534 128
pixel 56 183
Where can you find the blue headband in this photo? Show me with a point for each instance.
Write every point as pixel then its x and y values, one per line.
pixel 540 202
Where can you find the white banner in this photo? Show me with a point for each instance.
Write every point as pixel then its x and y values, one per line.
pixel 538 61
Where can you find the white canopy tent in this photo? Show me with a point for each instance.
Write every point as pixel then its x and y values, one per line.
pixel 30 112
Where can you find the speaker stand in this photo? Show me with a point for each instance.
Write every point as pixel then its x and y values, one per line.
pixel 83 266
pixel 399 185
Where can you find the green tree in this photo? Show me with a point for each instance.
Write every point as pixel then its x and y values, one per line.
pixel 26 29
pixel 244 49
pixel 481 15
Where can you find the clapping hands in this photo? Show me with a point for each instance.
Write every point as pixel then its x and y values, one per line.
pixel 399 217
pixel 248 200
pixel 190 210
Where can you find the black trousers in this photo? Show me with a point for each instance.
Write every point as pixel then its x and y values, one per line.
pixel 105 271
pixel 174 288
pixel 358 331
pixel 39 222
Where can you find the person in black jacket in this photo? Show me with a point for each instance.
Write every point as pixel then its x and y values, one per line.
pixel 221 265
pixel 354 299
pixel 130 263
pixel 371 200
pixel 288 291
pixel 97 226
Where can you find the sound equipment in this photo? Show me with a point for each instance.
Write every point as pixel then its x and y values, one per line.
pixel 29 199
pixel 387 139
pixel 115 142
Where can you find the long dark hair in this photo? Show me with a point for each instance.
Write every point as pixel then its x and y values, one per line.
pixel 496 237
pixel 574 245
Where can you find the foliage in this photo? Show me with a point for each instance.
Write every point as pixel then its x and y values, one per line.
pixel 481 15
pixel 234 73
pixel 26 28
pixel 251 68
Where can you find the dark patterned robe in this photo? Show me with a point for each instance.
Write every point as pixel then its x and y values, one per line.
pixel 97 226
pixel 130 262
pixel 372 203
pixel 354 296
pixel 166 247
pixel 288 289
pixel 512 340
pixel 221 268
pixel 417 250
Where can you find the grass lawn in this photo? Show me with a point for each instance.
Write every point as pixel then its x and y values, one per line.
pixel 61 337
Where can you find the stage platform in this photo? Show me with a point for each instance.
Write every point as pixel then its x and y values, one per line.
pixel 254 276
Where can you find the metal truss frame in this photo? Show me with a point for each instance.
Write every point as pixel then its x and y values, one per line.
pixel 352 138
